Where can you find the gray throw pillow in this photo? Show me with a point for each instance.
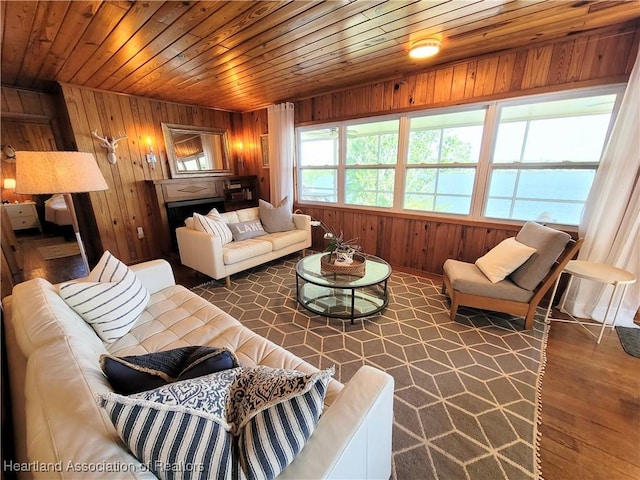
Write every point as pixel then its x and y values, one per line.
pixel 278 218
pixel 244 230
pixel 549 244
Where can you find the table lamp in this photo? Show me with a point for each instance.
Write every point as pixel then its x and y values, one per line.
pixel 60 172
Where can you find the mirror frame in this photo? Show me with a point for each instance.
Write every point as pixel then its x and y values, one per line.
pixel 167 129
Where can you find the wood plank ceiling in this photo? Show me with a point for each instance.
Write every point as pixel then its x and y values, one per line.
pixel 242 56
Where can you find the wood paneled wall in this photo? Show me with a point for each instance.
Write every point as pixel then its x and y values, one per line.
pixel 130 201
pixel 29 122
pixel 254 124
pixel 597 58
pixel 422 242
pixel 409 241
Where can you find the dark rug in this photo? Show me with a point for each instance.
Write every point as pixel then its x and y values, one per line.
pixel 630 340
pixel 466 392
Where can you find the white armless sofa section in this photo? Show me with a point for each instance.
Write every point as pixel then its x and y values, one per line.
pixel 61 432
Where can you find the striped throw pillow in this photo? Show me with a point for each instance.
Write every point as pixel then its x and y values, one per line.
pixel 274 412
pixel 212 225
pixel 173 441
pixel 110 299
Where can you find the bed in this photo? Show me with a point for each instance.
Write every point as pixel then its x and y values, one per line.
pixel 56 211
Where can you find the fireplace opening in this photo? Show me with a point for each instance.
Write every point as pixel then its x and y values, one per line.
pixel 178 211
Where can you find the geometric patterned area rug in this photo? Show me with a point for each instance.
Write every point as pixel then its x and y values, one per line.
pixel 466 400
pixel 56 247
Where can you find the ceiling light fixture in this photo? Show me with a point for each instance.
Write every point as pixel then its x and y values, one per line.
pixel 424 48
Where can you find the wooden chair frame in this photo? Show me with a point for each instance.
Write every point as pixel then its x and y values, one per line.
pixel 524 309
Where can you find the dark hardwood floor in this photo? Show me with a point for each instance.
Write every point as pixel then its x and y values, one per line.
pixel 590 393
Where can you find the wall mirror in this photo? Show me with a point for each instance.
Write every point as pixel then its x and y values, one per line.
pixel 196 151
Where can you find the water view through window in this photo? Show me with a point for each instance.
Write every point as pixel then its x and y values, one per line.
pixel 536 159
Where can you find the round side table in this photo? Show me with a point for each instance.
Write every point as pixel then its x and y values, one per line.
pixel 598 272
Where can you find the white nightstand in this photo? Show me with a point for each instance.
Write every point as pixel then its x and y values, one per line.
pixel 23 215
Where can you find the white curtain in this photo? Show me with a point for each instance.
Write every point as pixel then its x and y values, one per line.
pixel 611 222
pixel 281 150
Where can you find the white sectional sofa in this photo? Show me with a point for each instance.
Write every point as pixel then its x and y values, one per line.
pixel 61 432
pixel 205 252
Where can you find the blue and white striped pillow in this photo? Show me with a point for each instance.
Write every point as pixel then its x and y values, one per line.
pixel 110 299
pixel 173 441
pixel 272 411
pixel 214 224
pixel 274 416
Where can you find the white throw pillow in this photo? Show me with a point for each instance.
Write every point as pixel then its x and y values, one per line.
pixel 110 299
pixel 212 225
pixel 503 259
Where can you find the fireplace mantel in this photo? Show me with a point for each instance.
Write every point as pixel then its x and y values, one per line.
pixel 175 190
pixel 188 193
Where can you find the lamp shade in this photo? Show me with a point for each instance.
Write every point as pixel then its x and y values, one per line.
pixel 58 172
pixel 9 183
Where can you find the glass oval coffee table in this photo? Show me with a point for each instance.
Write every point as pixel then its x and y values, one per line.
pixel 338 295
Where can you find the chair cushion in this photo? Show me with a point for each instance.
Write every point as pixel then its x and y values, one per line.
pixel 503 259
pixel 549 244
pixel 467 278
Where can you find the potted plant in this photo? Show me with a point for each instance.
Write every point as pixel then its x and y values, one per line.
pixel 340 249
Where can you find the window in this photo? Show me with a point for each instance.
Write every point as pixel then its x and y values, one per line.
pixel 525 159
pixel 371 157
pixel 441 165
pixel 318 165
pixel 545 158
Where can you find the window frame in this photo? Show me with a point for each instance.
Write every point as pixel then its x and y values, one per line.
pixel 483 168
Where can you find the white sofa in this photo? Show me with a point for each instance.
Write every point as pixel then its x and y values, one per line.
pixel 54 374
pixel 206 254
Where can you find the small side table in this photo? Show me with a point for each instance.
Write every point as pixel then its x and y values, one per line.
pixel 598 272
pixel 23 215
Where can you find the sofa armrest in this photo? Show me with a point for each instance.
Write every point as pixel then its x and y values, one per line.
pixel 155 275
pixel 302 222
pixel 353 437
pixel 201 251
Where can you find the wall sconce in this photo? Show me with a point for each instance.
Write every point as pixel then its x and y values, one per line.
pixel 151 157
pixel 424 48
pixel 239 148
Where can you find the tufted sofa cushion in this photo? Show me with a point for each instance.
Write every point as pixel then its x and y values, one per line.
pixel 176 318
pixel 235 252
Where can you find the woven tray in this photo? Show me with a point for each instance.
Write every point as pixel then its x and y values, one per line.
pixel 357 268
